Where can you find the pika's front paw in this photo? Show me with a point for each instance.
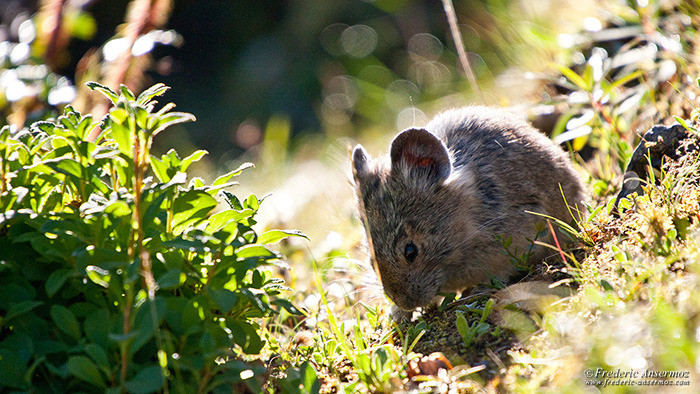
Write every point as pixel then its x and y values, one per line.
pixel 399 315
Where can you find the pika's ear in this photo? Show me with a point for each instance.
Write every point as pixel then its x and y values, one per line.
pixel 418 154
pixel 360 162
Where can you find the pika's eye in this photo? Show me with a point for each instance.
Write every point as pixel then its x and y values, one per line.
pixel 410 252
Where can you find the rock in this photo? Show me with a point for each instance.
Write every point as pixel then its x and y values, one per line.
pixel 658 143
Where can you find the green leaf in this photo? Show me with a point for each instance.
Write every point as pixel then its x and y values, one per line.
pixel 288 306
pixel 245 335
pixel 145 323
pixel 12 370
pixel 192 315
pixel 253 202
pixel 69 122
pixel 573 77
pixel 232 200
pixel 462 326
pixel 224 299
pixel 97 327
pixel 84 127
pixel 225 178
pixel 256 251
pixel 198 183
pixel 65 321
pixel 99 276
pixel 46 127
pixel 148 380
pixel 255 300
pixel 141 116
pixel 173 157
pixel 101 257
pixel 682 123
pixel 194 157
pixel 190 208
pixel 167 107
pixel 311 383
pixel 220 219
pixel 257 279
pixel 206 342
pixel 626 78
pixel 20 308
pixel 123 338
pixel 160 169
pixel 111 94
pixel 153 208
pixel 98 354
pixel 56 280
pixel 66 166
pixel 66 227
pixel 170 119
pixel 242 214
pixel 83 368
pixel 606 285
pixel 156 90
pixel 121 132
pixel 273 236
pixel 508 241
pixel 190 245
pixel 172 279
pixel 126 92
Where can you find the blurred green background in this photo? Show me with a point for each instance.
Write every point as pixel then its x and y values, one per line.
pixel 321 64
pixel 287 85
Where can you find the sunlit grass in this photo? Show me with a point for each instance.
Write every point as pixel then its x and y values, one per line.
pixel 627 296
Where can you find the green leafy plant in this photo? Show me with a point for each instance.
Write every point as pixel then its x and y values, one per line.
pixel 303 379
pixel 375 360
pixel 472 332
pixel 112 280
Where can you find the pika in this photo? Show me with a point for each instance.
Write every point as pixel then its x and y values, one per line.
pixel 434 208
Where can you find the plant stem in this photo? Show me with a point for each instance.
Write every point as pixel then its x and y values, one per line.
pixel 459 44
pixel 205 380
pixel 3 187
pixel 126 328
pixel 55 19
pixel 141 145
pixel 143 16
pixel 170 215
pixel 140 165
pixel 556 241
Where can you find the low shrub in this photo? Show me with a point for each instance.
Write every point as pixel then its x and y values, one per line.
pixel 112 280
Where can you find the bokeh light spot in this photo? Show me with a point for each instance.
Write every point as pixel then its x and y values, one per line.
pixel 113 48
pixel 410 117
pixel 424 46
pixel 359 40
pixel 330 39
pixel 402 93
pixel 61 95
pixel 592 24
pixel 248 134
pixel 26 31
pixel 19 53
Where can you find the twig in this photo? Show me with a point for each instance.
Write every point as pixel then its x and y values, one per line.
pixel 55 16
pixel 459 44
pixel 556 241
pixel 469 299
pixel 143 16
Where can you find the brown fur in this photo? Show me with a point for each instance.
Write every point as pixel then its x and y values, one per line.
pixel 448 190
